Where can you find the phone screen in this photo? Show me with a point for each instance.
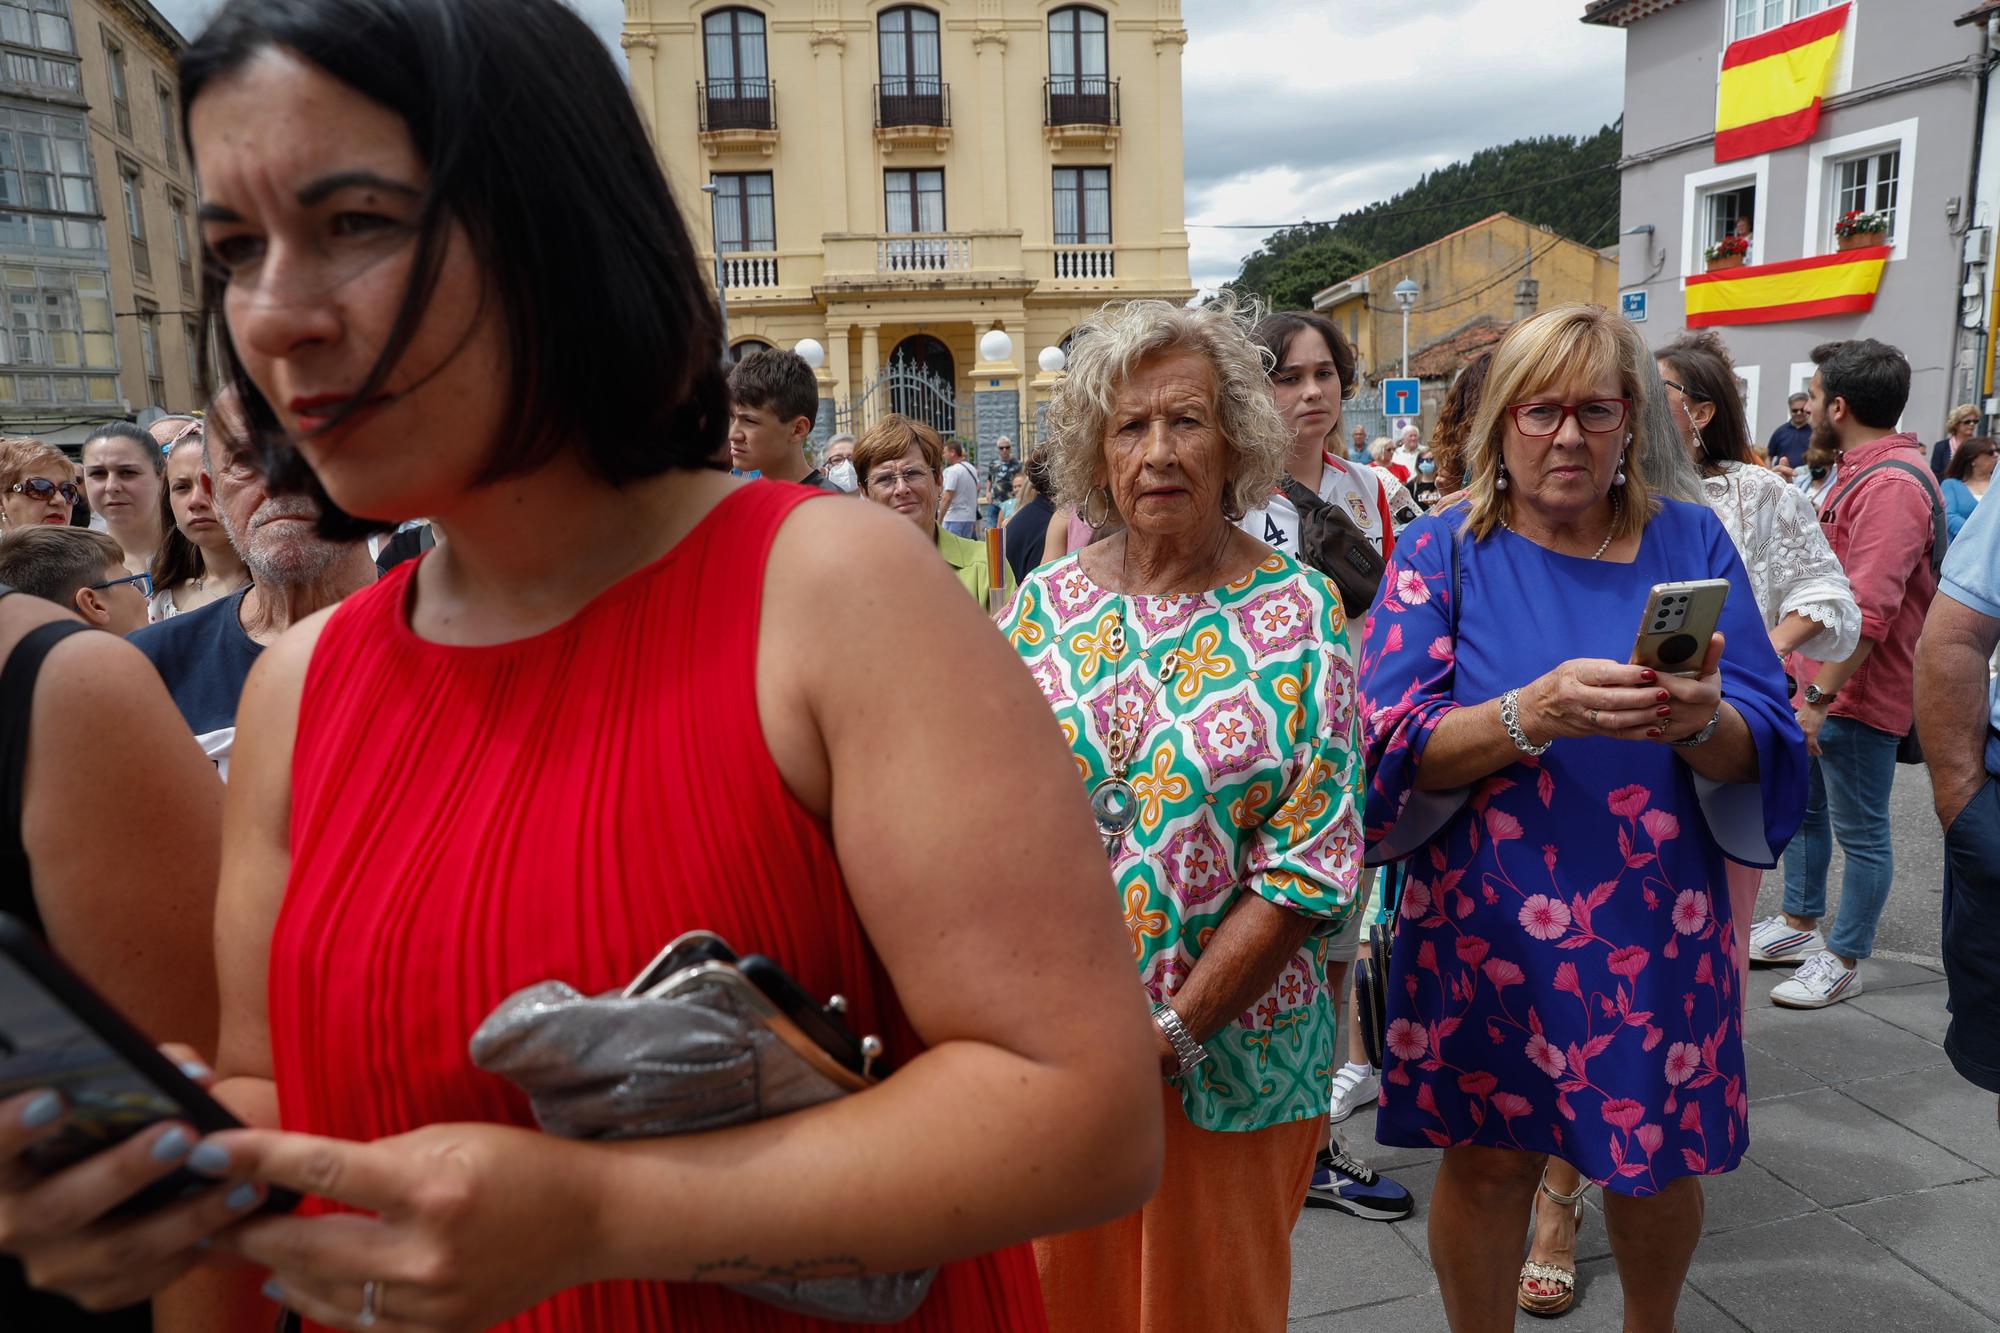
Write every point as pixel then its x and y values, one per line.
pixel 44 1045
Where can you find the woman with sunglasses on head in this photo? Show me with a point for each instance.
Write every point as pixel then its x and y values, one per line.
pixel 122 476
pixel 1564 974
pixel 670 711
pixel 196 563
pixel 37 483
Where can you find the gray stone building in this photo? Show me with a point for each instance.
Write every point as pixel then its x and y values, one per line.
pixel 1899 132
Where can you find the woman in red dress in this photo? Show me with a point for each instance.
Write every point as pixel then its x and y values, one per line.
pixel 624 697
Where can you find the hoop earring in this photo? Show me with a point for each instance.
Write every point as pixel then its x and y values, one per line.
pixel 1500 482
pixel 1088 500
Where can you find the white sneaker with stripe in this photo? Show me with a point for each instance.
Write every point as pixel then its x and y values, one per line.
pixel 1776 944
pixel 1820 981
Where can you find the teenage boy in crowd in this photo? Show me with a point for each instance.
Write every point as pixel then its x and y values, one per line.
pixel 773 398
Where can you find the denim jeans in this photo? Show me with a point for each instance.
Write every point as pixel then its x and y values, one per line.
pixel 961 527
pixel 1847 798
pixel 1972 937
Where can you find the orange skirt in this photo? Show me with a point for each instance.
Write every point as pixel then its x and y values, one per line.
pixel 1216 1239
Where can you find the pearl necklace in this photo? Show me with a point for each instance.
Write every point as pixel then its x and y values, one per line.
pixel 1602 546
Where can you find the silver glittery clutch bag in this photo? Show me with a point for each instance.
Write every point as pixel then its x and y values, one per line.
pixel 700 1040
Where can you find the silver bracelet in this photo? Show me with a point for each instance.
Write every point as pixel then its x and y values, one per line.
pixel 1186 1049
pixel 1701 737
pixel 1510 718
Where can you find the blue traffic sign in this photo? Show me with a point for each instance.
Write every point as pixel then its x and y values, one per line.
pixel 1399 398
pixel 1632 305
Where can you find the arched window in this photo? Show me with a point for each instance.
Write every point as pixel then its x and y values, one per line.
pixel 733 46
pixel 907 38
pixel 739 350
pixel 1077 56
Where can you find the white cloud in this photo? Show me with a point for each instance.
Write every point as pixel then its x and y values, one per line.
pixel 1367 99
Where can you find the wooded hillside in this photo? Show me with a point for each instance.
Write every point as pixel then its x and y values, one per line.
pixel 1562 182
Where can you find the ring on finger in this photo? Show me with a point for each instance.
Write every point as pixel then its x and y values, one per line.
pixel 371 1305
pixel 1592 715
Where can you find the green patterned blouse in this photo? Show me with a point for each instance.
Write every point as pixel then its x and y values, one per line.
pixel 1248 775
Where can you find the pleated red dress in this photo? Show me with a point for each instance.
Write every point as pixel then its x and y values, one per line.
pixel 469 821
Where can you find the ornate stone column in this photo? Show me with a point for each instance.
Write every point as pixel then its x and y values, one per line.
pixel 639 48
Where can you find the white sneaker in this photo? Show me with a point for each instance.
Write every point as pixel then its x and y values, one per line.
pixel 1776 944
pixel 1353 1088
pixel 1820 981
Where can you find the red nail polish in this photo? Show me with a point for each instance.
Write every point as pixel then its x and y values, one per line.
pixel 1648 677
pixel 1663 712
pixel 1657 731
pixel 1664 697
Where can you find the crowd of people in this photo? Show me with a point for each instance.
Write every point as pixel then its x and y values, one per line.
pixel 1338 748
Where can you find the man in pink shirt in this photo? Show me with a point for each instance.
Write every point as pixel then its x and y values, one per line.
pixel 1879 521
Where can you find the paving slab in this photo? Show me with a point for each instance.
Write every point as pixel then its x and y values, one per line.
pixel 1769 1075
pixel 1937 1104
pixel 1599 1308
pixel 1945 1234
pixel 1340 1262
pixel 1838 1043
pixel 1838 1151
pixel 1748 1196
pixel 1918 1010
pixel 1815 1272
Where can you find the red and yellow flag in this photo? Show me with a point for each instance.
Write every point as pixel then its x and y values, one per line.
pixel 1771 85
pixel 1843 283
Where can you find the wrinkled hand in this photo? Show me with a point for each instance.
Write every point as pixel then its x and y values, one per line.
pixel 58 1226
pixel 1592 696
pixel 471 1224
pixel 1692 702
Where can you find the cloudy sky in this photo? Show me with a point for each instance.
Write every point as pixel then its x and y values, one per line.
pixel 1368 97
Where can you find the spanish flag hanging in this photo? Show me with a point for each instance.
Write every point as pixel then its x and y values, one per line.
pixel 1843 283
pixel 1771 85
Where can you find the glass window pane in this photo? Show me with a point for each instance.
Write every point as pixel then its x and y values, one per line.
pixel 1068 207
pixel 35 388
pixel 750 46
pixel 54 31
pixel 99 349
pixel 897 188
pixel 42 230
pixel 69 388
pixel 41 192
pixel 70 157
pixel 63 348
pixel 103 388
pixel 35 152
pixel 7 392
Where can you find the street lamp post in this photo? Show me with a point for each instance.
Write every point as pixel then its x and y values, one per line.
pixel 721 293
pixel 1406 297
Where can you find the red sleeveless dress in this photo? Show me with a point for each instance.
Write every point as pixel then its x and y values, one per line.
pixel 468 821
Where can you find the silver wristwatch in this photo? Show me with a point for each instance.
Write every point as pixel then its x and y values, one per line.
pixel 1510 718
pixel 1186 1049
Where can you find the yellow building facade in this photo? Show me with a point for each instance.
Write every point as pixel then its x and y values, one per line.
pixel 895 181
pixel 1500 268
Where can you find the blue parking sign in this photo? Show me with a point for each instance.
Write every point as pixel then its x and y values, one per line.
pixel 1632 305
pixel 1399 398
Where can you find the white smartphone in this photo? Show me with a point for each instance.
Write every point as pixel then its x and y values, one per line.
pixel 1679 621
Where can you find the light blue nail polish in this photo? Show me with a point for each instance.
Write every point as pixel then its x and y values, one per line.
pixel 242 1197
pixel 43 1110
pixel 172 1145
pixel 209 1159
pixel 274 1292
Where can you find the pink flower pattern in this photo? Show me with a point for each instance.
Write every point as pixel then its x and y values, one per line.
pixel 1562 980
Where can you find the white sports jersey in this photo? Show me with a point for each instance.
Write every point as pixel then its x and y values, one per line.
pixel 1352 486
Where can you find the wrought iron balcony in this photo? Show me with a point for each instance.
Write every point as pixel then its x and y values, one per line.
pixel 736 104
pixel 1085 99
pixel 914 102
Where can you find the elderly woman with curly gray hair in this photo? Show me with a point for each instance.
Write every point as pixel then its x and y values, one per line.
pixel 1206 686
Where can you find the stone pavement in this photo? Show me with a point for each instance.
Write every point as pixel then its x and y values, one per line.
pixel 1868 1199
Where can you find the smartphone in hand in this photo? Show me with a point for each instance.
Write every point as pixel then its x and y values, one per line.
pixel 1680 619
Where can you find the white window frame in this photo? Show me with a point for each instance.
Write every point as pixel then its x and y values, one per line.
pixel 1697 185
pixel 1752 377
pixel 1900 135
pixel 1799 380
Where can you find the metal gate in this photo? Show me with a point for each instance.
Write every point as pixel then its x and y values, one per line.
pixel 909 388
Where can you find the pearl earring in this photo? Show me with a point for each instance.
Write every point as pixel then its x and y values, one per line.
pixel 1501 483
pixel 1620 478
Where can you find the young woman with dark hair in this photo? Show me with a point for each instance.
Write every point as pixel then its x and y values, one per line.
pixel 668 711
pixel 122 480
pixel 196 563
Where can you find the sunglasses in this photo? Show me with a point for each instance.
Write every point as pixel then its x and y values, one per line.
pixel 145 582
pixel 42 490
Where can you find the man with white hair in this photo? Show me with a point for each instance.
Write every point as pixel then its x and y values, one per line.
pixel 205 655
pixel 1409 443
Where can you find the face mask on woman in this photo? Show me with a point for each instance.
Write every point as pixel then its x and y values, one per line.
pixel 841 474
pixel 1426 466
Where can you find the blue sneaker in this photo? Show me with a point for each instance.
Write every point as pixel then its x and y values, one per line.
pixel 1339 1181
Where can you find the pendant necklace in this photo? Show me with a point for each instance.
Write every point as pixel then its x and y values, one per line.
pixel 1113 802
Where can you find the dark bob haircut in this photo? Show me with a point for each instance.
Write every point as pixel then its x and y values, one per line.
pixel 535 148
pixel 1275 333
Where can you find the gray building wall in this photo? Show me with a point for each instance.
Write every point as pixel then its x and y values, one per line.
pixel 1908 63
